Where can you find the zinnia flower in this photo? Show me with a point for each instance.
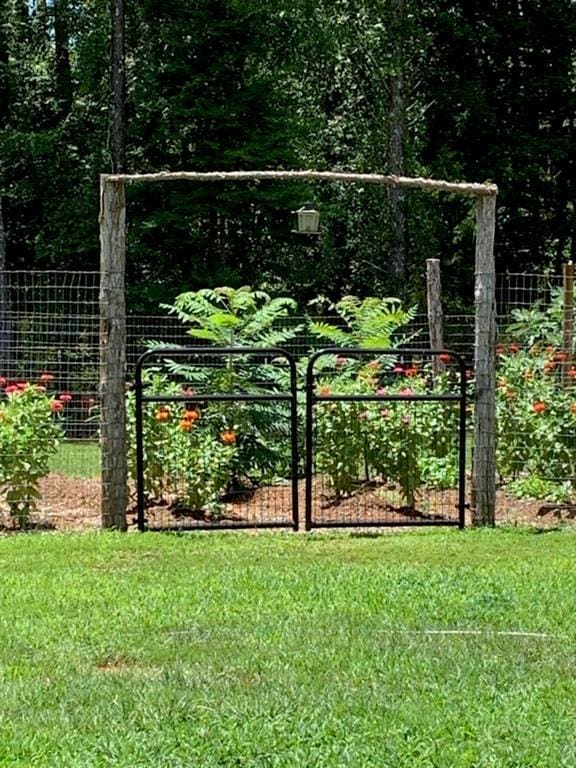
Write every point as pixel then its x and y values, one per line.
pixel 46 376
pixel 65 397
pixel 228 437
pixel 186 425
pixel 162 414
pixel 445 357
pixel 539 407
pixel 56 406
pixel 324 391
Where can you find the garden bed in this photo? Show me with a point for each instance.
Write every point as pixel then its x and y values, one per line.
pixel 70 503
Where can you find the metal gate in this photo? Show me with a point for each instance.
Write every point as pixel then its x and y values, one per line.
pixel 216 438
pixel 364 430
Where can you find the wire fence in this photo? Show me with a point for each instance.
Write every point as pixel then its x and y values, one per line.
pixel 49 335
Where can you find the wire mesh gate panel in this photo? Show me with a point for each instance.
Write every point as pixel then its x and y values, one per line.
pixel 215 438
pixel 385 438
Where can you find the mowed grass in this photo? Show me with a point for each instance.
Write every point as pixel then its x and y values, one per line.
pixel 288 650
pixel 77 458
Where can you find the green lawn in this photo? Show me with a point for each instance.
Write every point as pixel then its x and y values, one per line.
pixel 77 458
pixel 288 650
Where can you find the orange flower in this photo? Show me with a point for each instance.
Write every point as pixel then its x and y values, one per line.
pixel 573 409
pixel 228 437
pixel 539 407
pixel 324 391
pixel 561 357
pixel 549 367
pixel 186 425
pixel 411 372
pixel 56 406
pixel 191 416
pixel 572 373
pixel 162 414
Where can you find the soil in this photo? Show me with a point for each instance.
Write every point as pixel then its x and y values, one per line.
pixel 74 504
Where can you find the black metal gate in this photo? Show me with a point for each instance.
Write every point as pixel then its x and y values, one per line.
pixel 224 427
pixel 364 430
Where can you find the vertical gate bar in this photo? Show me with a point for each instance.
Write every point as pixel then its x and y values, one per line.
pixel 139 448
pixel 462 449
pixel 294 441
pixel 309 442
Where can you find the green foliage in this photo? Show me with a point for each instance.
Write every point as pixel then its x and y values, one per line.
pixel 29 436
pixel 369 322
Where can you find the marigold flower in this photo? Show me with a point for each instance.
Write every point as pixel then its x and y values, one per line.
pixel 228 437
pixel 65 397
pixel 46 376
pixel 162 414
pixel 56 406
pixel 539 407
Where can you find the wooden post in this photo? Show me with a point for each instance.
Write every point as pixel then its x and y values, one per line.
pixel 567 321
pixel 113 353
pixel 435 314
pixel 484 470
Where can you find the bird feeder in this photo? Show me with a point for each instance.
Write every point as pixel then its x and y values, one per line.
pixel 308 220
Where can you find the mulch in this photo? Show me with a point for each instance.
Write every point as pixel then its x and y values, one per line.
pixel 74 504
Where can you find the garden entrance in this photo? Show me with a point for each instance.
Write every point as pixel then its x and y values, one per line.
pixel 218 433
pixel 385 438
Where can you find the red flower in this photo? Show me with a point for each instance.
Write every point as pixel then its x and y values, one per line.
pixel 445 357
pixel 56 406
pixel 539 407
pixel 572 373
pixel 65 397
pixel 11 388
pixel 500 350
pixel 411 372
pixel 513 348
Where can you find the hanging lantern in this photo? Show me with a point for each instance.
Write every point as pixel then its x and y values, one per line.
pixel 308 220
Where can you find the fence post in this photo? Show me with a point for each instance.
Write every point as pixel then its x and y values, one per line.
pixel 113 353
pixel 567 320
pixel 435 314
pixel 484 470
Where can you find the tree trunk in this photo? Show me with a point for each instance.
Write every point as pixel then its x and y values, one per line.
pixel 396 151
pixel 62 58
pixel 118 78
pixel 5 324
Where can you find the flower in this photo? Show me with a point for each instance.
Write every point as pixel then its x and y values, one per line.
pixel 539 407
pixel 191 415
pixel 549 367
pixel 162 414
pixel 374 365
pixel 513 348
pixel 340 361
pixel 228 437
pixel 22 385
pixel 572 373
pixel 398 368
pixel 65 397
pixel 445 357
pixel 385 412
pixel 381 392
pixel 406 392
pixel 11 388
pixel 324 391
pixel 500 349
pixel 573 409
pixel 185 425
pixel 56 406
pixel 561 357
pixel 3 382
pixel 411 371
pixel 46 376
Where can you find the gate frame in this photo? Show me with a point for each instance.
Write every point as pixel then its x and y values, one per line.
pixel 141 399
pixel 312 399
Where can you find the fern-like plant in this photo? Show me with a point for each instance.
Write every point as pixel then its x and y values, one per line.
pixel 369 323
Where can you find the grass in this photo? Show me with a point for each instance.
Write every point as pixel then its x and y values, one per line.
pixel 77 458
pixel 283 650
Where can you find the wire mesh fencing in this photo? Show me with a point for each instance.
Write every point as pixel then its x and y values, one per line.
pixel 49 339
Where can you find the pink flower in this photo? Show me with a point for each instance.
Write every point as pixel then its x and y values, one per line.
pixel 340 361
pixel 385 412
pixel 3 382
pixel 65 397
pixel 56 406
pixel 381 392
pixel 405 419
pixel 398 368
pixel 406 392
pixel 11 388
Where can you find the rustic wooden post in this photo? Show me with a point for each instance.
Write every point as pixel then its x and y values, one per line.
pixel 435 314
pixel 567 320
pixel 484 470
pixel 113 353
